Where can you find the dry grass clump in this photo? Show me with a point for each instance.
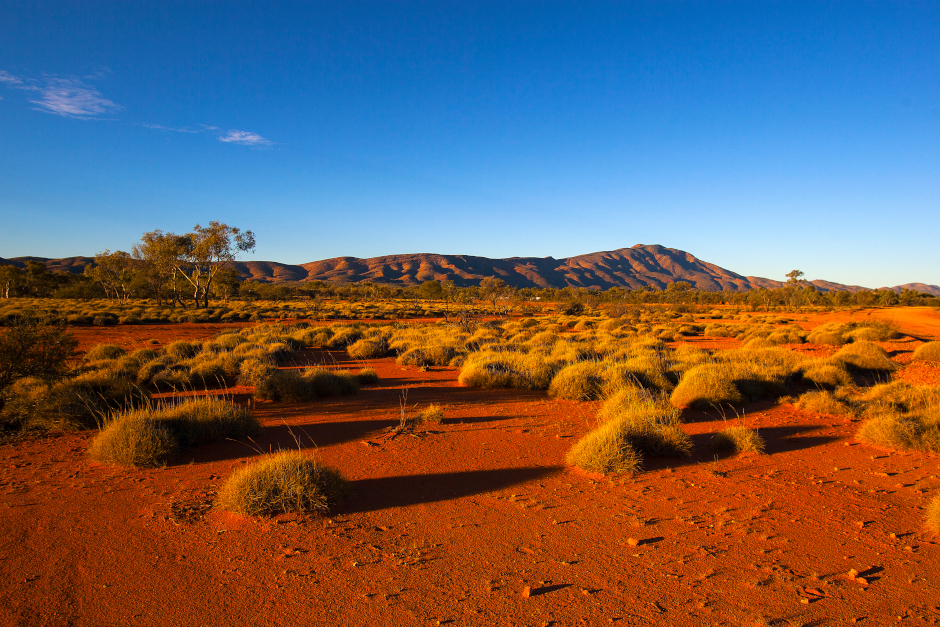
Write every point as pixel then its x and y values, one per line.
pixel 367 376
pixel 287 481
pixel 738 439
pixel 823 402
pixel 706 386
pixel 827 374
pixel 255 371
pixel 578 382
pixel 368 348
pixel 104 351
pixel 149 436
pixel 830 333
pixel 932 515
pixel 605 449
pixel 298 386
pixel 82 402
pixel 634 426
pixel 490 369
pixel 432 414
pixel 902 416
pixel 865 356
pixel 927 352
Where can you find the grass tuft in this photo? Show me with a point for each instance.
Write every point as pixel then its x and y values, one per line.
pixel 738 439
pixel 287 481
pixel 932 515
pixel 927 352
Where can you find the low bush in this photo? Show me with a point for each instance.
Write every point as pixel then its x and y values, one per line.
pixel 707 386
pixel 605 449
pixel 927 352
pixel 902 431
pixel 529 371
pixel 738 439
pixel 255 371
pixel 287 481
pixel 432 414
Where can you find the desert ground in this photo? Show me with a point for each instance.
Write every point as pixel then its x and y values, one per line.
pixel 478 520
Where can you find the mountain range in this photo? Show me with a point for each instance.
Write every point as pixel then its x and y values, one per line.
pixel 629 268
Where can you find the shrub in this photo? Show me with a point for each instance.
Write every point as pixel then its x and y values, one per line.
pixel 578 382
pixel 827 374
pixel 427 356
pixel 85 402
pixel 344 336
pixel 367 376
pixel 149 436
pixel 104 351
pixel 932 515
pixel 34 347
pixel 927 352
pixel 287 481
pixel 863 355
pixel 738 439
pixel 830 333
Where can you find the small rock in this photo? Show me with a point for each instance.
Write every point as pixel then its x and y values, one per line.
pixel 527 592
pixel 633 541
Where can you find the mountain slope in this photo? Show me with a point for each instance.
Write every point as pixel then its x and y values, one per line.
pixel 630 268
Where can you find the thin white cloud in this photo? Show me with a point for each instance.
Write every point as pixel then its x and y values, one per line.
pixel 244 138
pixel 71 98
pixel 67 96
pixel 159 127
pixel 9 79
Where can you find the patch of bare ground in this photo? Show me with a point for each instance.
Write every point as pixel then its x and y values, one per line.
pixel 476 521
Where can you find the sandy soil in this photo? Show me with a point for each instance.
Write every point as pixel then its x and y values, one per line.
pixel 478 522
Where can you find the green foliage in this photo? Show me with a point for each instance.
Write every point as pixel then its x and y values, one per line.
pixel 31 346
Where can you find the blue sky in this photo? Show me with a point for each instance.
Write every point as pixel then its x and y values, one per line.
pixel 760 136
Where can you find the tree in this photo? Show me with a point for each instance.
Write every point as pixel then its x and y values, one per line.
pixel 795 277
pixel 159 255
pixel 431 290
pixel 11 278
pixel 114 271
pixel 492 289
pixel 209 249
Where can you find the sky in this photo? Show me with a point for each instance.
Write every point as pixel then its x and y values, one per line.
pixel 759 136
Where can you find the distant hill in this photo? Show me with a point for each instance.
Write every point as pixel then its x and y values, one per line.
pixel 630 268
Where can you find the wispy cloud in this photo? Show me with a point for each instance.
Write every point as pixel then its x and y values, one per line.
pixel 71 98
pixel 68 96
pixel 160 127
pixel 74 97
pixel 244 138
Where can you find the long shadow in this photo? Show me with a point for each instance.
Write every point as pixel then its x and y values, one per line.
pixel 276 437
pixel 368 495
pixel 777 440
pixel 469 420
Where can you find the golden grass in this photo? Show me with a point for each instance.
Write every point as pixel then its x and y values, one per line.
pixel 932 514
pixel 864 356
pixel 149 436
pixel 367 376
pixel 707 386
pixel 306 385
pixel 582 381
pixel 927 352
pixel 738 439
pixel 823 402
pixel 287 481
pixel 433 414
pixel 827 374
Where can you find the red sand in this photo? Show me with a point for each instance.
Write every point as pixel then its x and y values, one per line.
pixel 451 526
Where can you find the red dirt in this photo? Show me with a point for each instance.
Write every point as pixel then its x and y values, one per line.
pixel 452 525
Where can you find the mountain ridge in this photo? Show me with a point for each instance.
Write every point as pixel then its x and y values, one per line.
pixel 630 268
